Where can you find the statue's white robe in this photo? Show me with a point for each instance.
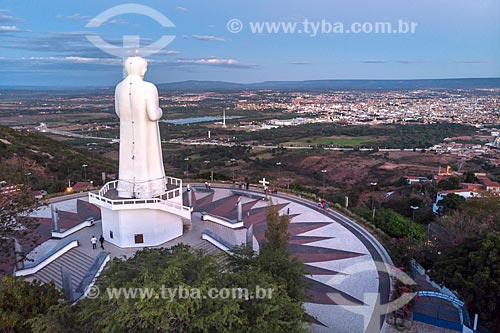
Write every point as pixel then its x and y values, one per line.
pixel 141 171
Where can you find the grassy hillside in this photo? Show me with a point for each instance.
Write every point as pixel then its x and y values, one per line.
pixel 42 163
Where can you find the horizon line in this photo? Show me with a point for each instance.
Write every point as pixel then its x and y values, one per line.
pixel 252 83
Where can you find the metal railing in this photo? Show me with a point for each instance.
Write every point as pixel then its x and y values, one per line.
pixel 163 200
pixel 169 194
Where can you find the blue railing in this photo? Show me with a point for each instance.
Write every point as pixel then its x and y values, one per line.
pixel 90 275
pixel 218 238
pixel 49 254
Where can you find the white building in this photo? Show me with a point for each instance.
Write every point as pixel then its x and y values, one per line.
pixel 465 193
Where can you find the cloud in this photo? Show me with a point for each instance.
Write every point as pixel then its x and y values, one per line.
pixel 5 17
pixel 205 38
pixel 405 62
pixel 167 52
pixel 33 66
pixel 473 62
pixel 74 17
pixel 9 28
pixel 88 19
pixel 300 63
pixel 409 62
pixel 373 62
pixel 95 61
pixel 215 62
pixel 74 60
pixel 98 22
pixel 70 43
pixel 181 9
pixel 73 43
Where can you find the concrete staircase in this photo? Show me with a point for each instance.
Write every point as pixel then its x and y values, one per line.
pixel 74 260
pixel 208 248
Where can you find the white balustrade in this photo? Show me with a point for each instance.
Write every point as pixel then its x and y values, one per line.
pixel 161 200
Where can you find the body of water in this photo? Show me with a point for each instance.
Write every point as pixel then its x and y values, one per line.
pixel 193 120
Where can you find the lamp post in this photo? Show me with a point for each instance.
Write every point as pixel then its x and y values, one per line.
pixel 323 171
pixel 414 208
pixel 278 164
pixel 232 162
pixel 84 166
pixel 187 166
pixel 28 181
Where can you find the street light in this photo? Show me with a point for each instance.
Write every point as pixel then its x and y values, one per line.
pixel 28 180
pixel 232 162
pixel 414 209
pixel 187 166
pixel 84 166
pixel 323 171
pixel 278 164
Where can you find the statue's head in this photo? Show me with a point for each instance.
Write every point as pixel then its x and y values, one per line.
pixel 136 66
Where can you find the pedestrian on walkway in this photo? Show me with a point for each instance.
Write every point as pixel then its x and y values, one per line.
pixel 93 241
pixel 206 185
pixel 101 240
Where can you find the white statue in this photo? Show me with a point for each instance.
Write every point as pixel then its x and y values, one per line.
pixel 141 172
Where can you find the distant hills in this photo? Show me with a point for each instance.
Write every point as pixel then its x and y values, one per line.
pixel 194 85
pixel 334 84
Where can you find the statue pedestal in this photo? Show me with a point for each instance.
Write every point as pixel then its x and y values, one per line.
pixel 142 222
pixel 139 227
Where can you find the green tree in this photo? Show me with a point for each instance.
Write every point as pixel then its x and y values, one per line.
pixel 196 273
pixel 449 183
pixel 451 202
pixel 277 228
pixel 477 217
pixel 396 225
pixel 470 177
pixel 21 300
pixel 473 269
pixel 285 270
pixel 15 222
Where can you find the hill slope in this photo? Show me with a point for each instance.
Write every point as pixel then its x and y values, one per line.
pixel 42 163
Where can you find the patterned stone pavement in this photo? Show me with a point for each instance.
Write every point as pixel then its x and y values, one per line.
pixel 341 268
pixel 340 264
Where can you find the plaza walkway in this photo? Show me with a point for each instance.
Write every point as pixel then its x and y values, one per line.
pixel 339 257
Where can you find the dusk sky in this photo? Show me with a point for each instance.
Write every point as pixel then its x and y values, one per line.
pixel 43 43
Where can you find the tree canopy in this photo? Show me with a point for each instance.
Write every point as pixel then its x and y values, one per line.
pixel 15 223
pixel 182 268
pixel 475 218
pixel 451 202
pixel 21 300
pixel 473 269
pixel 277 228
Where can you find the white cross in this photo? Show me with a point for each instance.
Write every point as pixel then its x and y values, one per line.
pixel 264 182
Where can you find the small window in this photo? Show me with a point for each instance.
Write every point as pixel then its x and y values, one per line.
pixel 139 238
pixel 110 234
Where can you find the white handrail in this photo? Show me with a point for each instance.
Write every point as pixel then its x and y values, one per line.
pixel 162 199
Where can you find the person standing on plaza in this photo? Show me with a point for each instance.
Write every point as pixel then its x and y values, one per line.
pixel 101 240
pixel 93 241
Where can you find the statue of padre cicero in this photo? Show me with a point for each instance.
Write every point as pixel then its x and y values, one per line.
pixel 141 172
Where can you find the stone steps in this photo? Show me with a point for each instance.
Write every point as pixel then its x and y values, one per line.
pixel 208 248
pixel 77 262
